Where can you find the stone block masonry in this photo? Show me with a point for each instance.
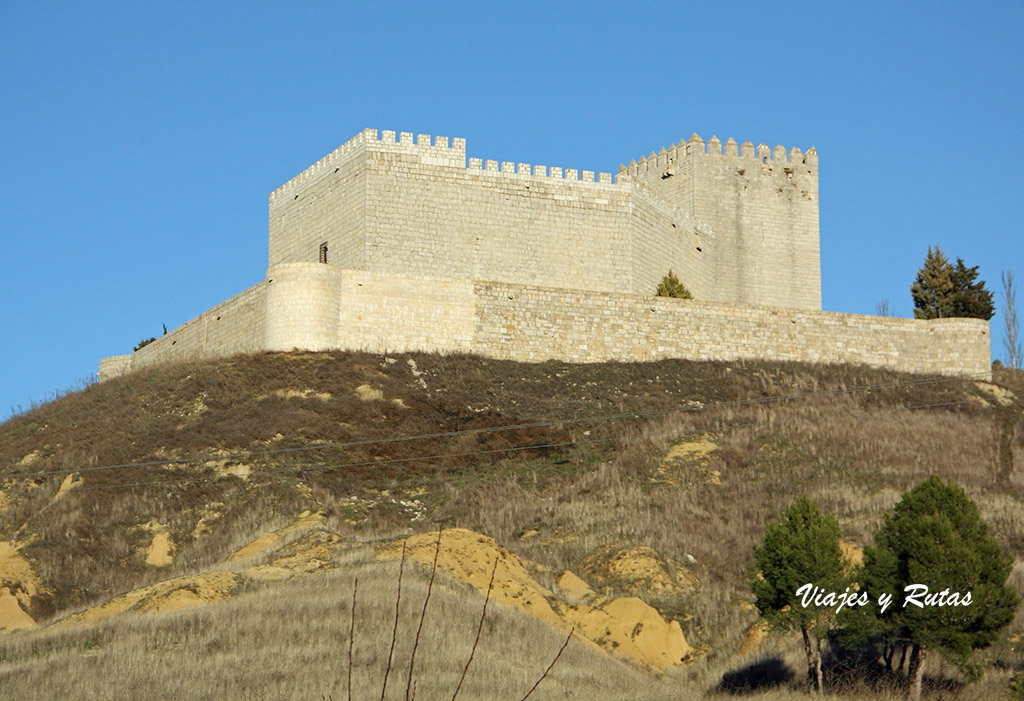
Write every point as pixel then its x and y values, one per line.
pixel 534 324
pixel 391 243
pixel 234 326
pixel 310 306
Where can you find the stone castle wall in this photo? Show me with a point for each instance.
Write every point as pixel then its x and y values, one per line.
pixel 234 326
pixel 534 324
pixel 417 208
pixel 317 307
pixel 320 307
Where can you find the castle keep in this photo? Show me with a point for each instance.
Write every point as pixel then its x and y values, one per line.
pixel 392 244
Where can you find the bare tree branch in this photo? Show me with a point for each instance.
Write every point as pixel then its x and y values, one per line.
pixel 394 633
pixel 550 665
pixel 423 615
pixel 1011 322
pixel 479 628
pixel 352 636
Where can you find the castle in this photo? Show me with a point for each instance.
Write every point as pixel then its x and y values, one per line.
pixel 392 244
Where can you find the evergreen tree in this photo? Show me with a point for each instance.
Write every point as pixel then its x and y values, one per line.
pixel 802 548
pixel 935 537
pixel 933 287
pixel 970 298
pixel 942 290
pixel 671 287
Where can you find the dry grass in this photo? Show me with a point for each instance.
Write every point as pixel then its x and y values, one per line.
pixel 290 641
pixel 229 651
pixel 853 452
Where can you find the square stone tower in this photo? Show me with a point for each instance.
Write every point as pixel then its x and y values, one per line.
pixel 762 208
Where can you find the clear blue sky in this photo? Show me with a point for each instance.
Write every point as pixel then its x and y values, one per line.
pixel 140 140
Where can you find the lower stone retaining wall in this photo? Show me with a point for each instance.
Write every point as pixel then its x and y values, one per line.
pixel 236 325
pixel 311 306
pixel 533 324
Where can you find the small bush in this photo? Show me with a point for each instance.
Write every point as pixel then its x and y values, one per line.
pixel 671 287
pixel 143 343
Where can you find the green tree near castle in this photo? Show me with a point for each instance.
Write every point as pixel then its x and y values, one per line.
pixel 671 287
pixel 802 548
pixel 934 537
pixel 943 290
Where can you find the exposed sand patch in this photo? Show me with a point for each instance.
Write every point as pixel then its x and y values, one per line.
pixel 692 453
pixel 302 394
pixel 16 571
pixel 632 629
pixel 852 553
pixel 308 554
pixel 637 570
pixel 627 627
pixel 306 521
pixel 160 552
pixel 186 592
pixel 241 471
pixel 172 595
pixel 1001 395
pixel 211 515
pixel 12 616
pixel 368 393
pixel 18 584
pixel 30 459
pixel 469 557
pixel 574 590
pixel 228 466
pixel 754 636
pixel 70 482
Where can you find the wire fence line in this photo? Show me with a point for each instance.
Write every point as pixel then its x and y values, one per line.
pixel 695 407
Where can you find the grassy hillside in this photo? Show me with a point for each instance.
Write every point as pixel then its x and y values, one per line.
pixel 555 461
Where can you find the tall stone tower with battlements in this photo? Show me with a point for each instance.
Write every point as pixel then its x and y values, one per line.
pixel 761 206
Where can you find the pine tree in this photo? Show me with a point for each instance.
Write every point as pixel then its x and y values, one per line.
pixel 671 287
pixel 935 537
pixel 801 549
pixel 942 290
pixel 970 298
pixel 933 287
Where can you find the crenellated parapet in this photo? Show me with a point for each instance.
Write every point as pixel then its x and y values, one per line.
pixel 431 150
pixel 344 153
pixel 664 163
pixel 527 170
